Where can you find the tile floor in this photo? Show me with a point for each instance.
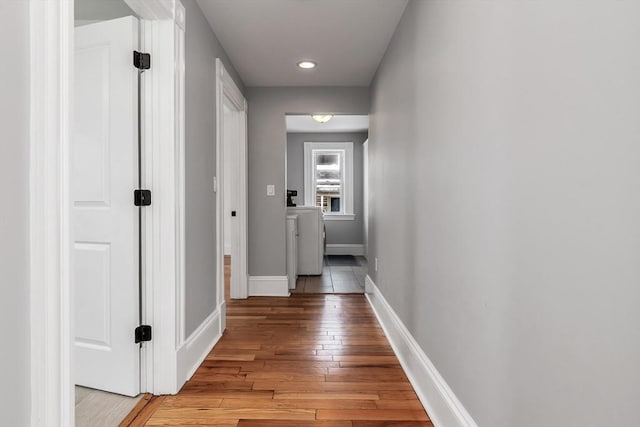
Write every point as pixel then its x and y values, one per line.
pixel 335 280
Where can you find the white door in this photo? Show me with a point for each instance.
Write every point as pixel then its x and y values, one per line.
pixel 105 220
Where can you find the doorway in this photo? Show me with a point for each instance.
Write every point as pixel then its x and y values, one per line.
pixel 231 187
pixel 325 173
pixel 52 261
pixel 106 224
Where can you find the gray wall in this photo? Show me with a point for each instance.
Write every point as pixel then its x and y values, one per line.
pixel 337 231
pixel 267 158
pixel 14 219
pixel 100 10
pixel 202 48
pixel 509 131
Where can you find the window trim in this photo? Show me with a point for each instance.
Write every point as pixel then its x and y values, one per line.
pixel 309 189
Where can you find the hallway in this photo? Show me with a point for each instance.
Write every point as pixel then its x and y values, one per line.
pixel 308 360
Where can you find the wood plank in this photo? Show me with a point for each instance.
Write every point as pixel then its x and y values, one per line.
pixel 283 376
pixel 285 423
pixel 296 365
pixel 370 423
pixel 291 386
pixel 298 404
pixel 235 357
pixel 189 401
pixel 196 384
pixel 399 404
pixel 136 410
pixel 147 411
pixel 375 415
pixel 365 359
pixel 327 395
pixel 196 423
pixel 172 416
pixel 397 394
pixel 225 394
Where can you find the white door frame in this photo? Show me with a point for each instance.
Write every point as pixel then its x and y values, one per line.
pixel 227 91
pixel 365 195
pixel 51 303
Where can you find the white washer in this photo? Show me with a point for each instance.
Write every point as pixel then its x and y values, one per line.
pixel 310 239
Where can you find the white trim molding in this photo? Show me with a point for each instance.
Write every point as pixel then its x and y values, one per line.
pixel 355 249
pixel 51 77
pixel 228 93
pixel 163 135
pixel 442 405
pixel 51 26
pixel 339 217
pixel 269 286
pixel 345 150
pixel 157 10
pixel 196 348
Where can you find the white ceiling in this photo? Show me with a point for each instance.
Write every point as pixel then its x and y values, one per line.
pixel 343 123
pixel 266 38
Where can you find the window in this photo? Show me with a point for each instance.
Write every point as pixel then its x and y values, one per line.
pixel 328 178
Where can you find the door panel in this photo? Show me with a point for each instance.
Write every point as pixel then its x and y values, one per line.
pixel 105 221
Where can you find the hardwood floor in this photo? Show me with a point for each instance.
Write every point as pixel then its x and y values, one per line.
pixel 307 360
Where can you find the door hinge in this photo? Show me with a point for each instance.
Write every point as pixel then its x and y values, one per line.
pixel 142 61
pixel 143 333
pixel 142 197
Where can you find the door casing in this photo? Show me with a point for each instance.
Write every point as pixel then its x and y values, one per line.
pixel 51 303
pixel 227 93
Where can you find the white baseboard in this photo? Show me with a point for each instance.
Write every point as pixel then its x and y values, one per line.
pixel 369 286
pixel 195 349
pixel 268 286
pixel 223 316
pixel 355 249
pixel 442 405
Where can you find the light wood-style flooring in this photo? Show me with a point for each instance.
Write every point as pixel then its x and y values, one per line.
pixel 307 360
pixel 96 408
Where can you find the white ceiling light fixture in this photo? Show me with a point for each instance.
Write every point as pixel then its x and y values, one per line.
pixel 307 65
pixel 322 118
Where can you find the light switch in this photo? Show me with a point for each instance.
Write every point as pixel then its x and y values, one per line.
pixel 271 190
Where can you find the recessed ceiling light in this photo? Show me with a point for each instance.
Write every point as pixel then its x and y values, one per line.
pixel 322 118
pixel 307 65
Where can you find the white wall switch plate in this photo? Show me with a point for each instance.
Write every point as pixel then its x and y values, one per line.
pixel 271 190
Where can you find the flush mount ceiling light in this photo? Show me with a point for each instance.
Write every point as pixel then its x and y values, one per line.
pixel 322 118
pixel 307 65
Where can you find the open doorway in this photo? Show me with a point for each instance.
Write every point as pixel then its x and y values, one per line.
pixel 106 166
pixel 231 186
pixel 54 202
pixel 325 182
